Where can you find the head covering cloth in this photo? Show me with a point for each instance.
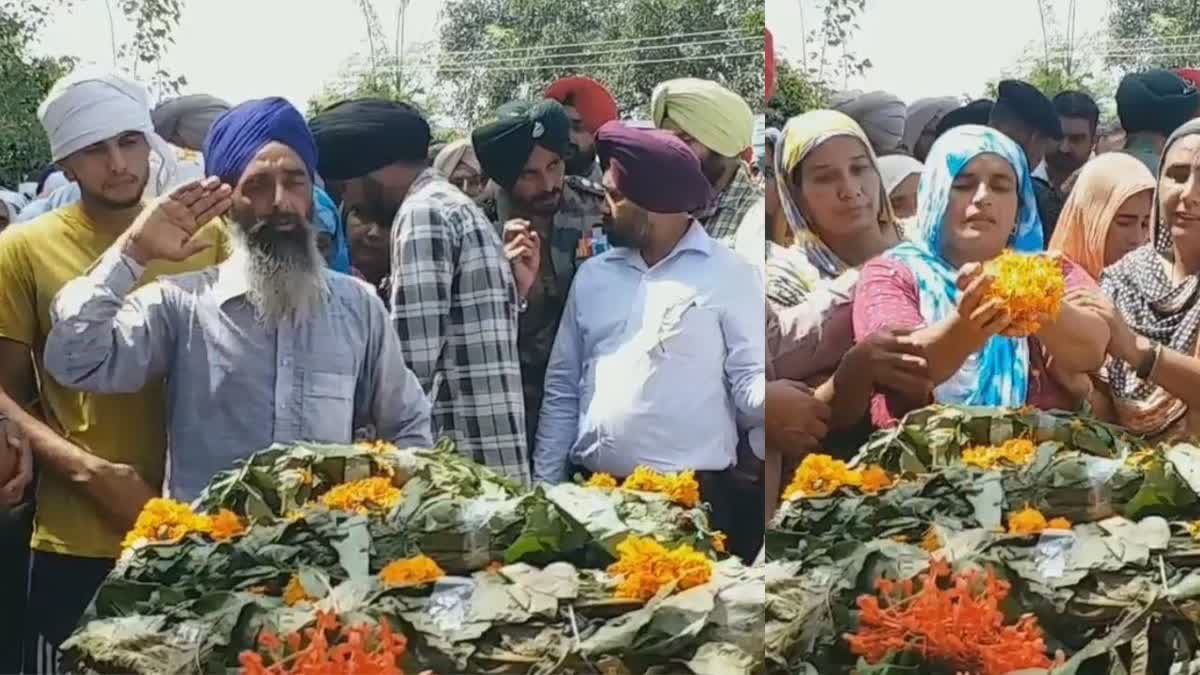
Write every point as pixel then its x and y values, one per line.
pixel 654 169
pixel 1157 101
pixel 1103 185
pixel 800 136
pixel 1155 307
pixel 880 114
pixel 329 221
pixel 595 105
pixel 458 152
pixel 239 134
pixel 997 375
pixel 364 135
pixel 975 112
pixel 504 145
pixel 186 120
pixel 719 119
pixel 895 168
pixel 12 202
pixel 920 114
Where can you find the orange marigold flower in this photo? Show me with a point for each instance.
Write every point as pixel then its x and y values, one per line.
pixel 165 521
pixel 680 488
pixel 363 496
pixel 602 481
pixel 411 572
pixel 645 566
pixel 957 625
pixel 931 543
pixel 1030 286
pixel 1058 524
pixel 1013 452
pixel 875 480
pixel 329 649
pixel 821 476
pixel 1031 521
pixel 226 525
pixel 718 542
pixel 295 593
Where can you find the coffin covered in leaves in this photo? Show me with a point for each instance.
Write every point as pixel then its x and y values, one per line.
pixel 989 541
pixel 369 558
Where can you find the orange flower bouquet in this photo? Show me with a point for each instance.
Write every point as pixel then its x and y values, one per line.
pixel 328 648
pixel 1030 286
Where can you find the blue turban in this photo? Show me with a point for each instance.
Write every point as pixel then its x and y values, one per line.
pixel 237 136
pixel 329 221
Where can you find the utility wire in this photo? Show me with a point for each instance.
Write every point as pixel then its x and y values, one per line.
pixel 588 54
pixel 566 66
pixel 595 42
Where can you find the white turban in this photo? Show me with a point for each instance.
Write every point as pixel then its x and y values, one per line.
pixel 893 169
pixel 921 113
pixel 880 114
pixel 12 202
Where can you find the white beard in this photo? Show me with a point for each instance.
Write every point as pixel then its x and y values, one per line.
pixel 283 280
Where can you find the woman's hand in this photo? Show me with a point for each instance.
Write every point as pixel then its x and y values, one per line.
pixel 892 360
pixel 981 317
pixel 1123 342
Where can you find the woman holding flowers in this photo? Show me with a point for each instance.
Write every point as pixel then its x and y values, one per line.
pixel 1153 306
pixel 976 200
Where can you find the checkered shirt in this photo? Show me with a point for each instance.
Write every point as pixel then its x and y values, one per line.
pixel 722 219
pixel 454 305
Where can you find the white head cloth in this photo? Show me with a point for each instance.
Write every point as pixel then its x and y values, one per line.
pixel 91 105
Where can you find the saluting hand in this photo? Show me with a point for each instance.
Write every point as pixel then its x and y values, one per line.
pixel 165 229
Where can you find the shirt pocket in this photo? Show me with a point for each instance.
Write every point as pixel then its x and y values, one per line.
pixel 329 406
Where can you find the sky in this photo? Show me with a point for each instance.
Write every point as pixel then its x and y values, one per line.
pixel 241 49
pixel 976 40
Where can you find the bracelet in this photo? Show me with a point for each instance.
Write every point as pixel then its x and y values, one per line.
pixel 1146 367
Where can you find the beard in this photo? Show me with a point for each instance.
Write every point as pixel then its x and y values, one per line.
pixel 284 270
pixel 713 168
pixel 579 162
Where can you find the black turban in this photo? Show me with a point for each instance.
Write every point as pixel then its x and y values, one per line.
pixel 1031 106
pixel 503 146
pixel 975 112
pixel 1157 100
pixel 357 137
pixel 653 168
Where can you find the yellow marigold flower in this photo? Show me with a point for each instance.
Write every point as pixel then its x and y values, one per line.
pixel 362 496
pixel 1031 521
pixel 293 516
pixel 295 594
pixel 377 447
pixel 1140 459
pixel 411 572
pixel 718 542
pixel 226 525
pixel 602 481
pixel 680 488
pixel 1194 529
pixel 875 480
pixel 307 478
pixel 645 566
pixel 1030 286
pixel 1013 452
pixel 821 476
pixel 931 543
pixel 165 521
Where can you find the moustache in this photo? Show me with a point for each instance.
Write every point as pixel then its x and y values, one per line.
pixel 547 196
pixel 278 223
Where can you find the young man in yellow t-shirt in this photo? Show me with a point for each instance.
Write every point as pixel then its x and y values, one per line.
pixel 99 458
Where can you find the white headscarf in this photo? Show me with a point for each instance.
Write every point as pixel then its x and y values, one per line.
pixel 91 105
pixel 893 169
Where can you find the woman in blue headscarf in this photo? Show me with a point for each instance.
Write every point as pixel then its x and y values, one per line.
pixel 331 233
pixel 975 200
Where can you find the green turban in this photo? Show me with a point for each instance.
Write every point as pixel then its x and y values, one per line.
pixel 716 117
pixel 503 146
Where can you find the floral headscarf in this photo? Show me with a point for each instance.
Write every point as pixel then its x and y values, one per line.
pixel 998 375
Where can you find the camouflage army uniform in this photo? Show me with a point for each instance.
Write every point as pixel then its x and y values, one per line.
pixel 583 206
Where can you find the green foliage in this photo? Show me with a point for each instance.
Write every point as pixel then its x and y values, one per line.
pixel 1148 27
pixel 794 94
pixel 154 24
pixel 1051 80
pixel 484 78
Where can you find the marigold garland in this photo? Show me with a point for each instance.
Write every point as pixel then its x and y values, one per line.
pixel 1031 287
pixel 328 649
pixel 822 475
pixel 601 481
pixel 363 496
pixel 1031 521
pixel 1014 452
pixel 411 572
pixel 165 521
pixel 957 625
pixel 680 488
pixel 645 566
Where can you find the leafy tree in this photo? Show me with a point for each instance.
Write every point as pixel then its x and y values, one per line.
pixel 1153 33
pixel 482 76
pixel 794 94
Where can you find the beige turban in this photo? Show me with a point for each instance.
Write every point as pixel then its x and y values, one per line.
pixel 456 153
pixel 719 119
pixel 186 120
pixel 880 114
pixel 921 113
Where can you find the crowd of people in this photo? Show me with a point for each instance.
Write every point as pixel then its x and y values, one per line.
pixel 881 218
pixel 195 281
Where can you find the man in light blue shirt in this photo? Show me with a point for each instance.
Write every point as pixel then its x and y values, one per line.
pixel 660 355
pixel 267 347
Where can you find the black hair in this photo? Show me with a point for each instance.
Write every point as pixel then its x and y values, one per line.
pixel 44 175
pixel 1078 105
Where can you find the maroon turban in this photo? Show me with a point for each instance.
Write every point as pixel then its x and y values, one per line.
pixel 653 168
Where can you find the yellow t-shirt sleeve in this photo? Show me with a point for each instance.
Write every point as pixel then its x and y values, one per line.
pixel 18 291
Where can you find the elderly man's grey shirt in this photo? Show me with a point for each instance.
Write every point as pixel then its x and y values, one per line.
pixel 236 383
